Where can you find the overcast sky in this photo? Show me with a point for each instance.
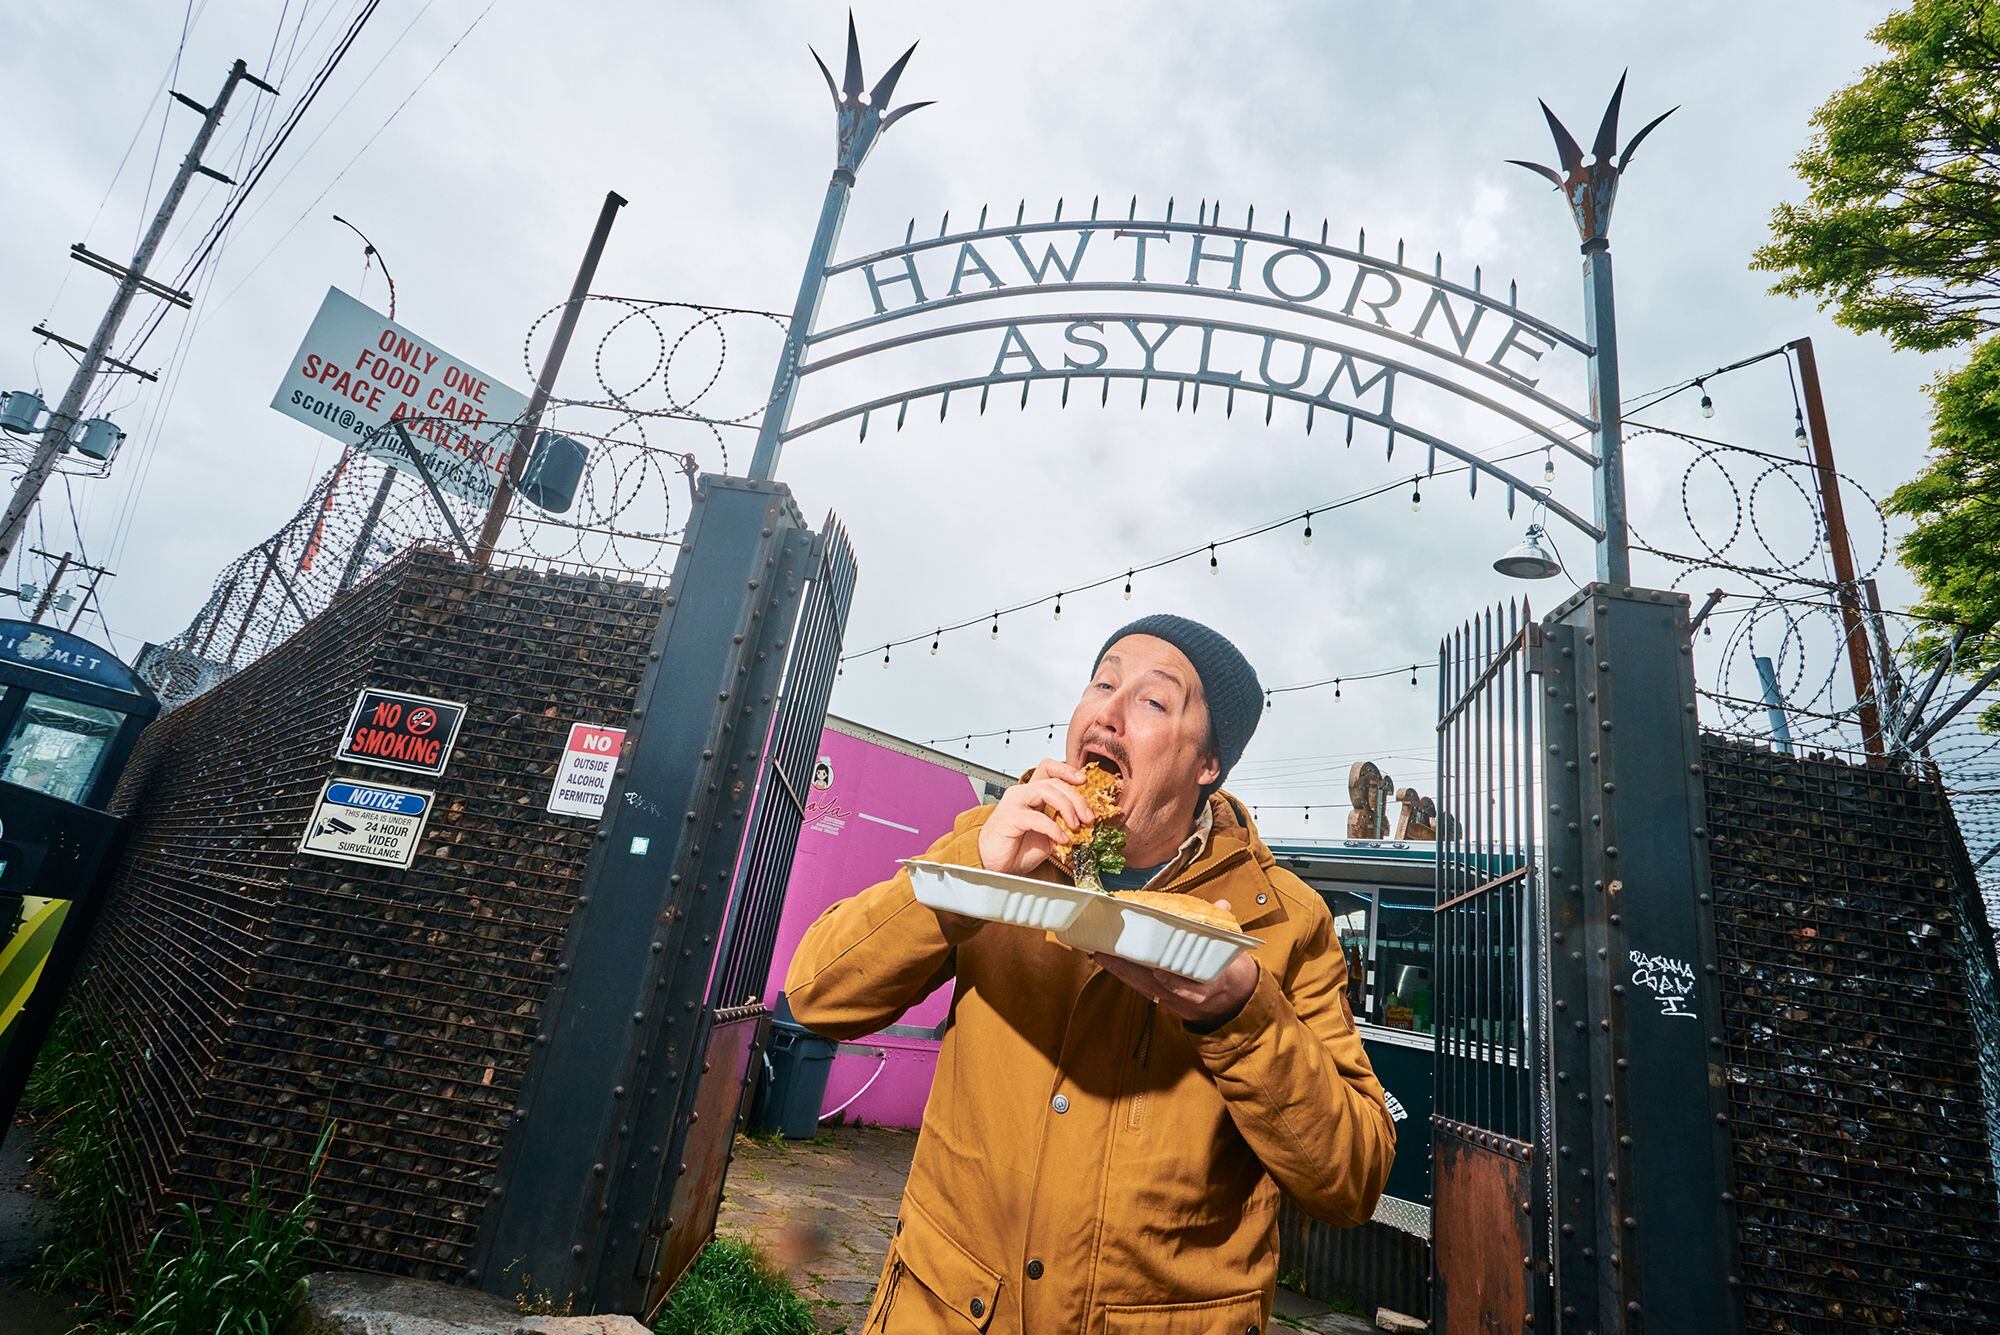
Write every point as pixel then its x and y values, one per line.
pixel 713 122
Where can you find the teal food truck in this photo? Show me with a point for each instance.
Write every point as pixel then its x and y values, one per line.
pixel 1381 893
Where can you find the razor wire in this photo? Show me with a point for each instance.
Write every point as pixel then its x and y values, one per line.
pixel 655 419
pixel 1774 649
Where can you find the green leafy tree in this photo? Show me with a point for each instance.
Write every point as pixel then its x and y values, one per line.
pixel 1899 234
pixel 1900 229
pixel 1954 548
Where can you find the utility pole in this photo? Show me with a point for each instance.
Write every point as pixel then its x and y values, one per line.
pixel 65 564
pixel 1842 548
pixel 131 281
pixel 538 401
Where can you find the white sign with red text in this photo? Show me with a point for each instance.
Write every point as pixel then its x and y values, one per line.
pixel 358 371
pixel 583 779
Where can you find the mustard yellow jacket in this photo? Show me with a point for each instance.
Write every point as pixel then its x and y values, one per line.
pixel 1086 1163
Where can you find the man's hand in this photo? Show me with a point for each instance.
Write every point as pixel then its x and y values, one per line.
pixel 1202 1005
pixel 1022 834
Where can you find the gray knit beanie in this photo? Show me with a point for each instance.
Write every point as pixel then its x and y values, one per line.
pixel 1228 683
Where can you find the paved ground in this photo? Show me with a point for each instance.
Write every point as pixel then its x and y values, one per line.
pixel 824 1210
pixel 22 1310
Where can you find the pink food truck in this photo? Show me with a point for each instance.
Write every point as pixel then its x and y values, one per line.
pixel 875 798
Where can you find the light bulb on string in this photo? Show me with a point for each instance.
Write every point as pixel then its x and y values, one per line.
pixel 1707 404
pixel 996 625
pixel 885 655
pixel 935 638
pixel 1309 528
pixel 1059 607
pixel 1267 699
pixel 1128 586
pixel 1549 464
pixel 1336 688
pixel 1213 566
pixel 1309 814
pixel 1413 676
pixel 1799 426
pixel 1010 738
pixel 1052 732
pixel 1416 494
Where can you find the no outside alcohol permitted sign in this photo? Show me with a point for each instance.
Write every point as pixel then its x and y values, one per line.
pixel 583 779
pixel 401 731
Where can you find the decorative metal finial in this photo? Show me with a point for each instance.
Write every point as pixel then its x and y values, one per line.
pixel 861 117
pixel 1591 189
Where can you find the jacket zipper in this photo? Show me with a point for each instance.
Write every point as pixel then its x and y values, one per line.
pixel 1144 1053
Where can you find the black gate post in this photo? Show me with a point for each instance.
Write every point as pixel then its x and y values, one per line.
pixel 1643 1205
pixel 577 1217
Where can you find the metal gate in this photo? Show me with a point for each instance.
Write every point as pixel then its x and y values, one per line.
pixel 1582 1177
pixel 1491 1204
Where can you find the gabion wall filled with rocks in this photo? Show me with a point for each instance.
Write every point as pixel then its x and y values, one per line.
pixel 254 995
pixel 1857 981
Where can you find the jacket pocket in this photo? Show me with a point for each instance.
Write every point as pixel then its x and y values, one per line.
pixel 1240 1315
pixel 934 1284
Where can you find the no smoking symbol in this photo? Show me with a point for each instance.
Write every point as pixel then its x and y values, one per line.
pixel 422 720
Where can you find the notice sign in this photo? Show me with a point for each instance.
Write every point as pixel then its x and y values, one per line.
pixel 583 779
pixel 398 731
pixel 367 822
pixel 358 371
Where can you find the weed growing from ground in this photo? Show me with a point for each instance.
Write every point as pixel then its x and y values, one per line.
pixel 731 1291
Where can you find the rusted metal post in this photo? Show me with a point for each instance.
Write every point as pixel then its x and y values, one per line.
pixel 1842 548
pixel 360 552
pixel 538 401
pixel 256 597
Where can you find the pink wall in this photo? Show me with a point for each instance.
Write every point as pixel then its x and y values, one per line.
pixel 880 805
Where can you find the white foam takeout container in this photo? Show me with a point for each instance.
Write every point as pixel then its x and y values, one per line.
pixel 1081 919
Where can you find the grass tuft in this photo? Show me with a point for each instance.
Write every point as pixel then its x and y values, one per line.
pixel 730 1290
pixel 237 1271
pixel 74 1094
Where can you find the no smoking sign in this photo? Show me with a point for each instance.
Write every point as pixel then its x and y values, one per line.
pixel 399 731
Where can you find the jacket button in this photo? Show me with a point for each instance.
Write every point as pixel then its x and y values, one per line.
pixel 1060 1103
pixel 1262 898
pixel 1250 1329
pixel 1034 1270
pixel 978 1307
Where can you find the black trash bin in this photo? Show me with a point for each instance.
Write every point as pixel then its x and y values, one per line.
pixel 796 1068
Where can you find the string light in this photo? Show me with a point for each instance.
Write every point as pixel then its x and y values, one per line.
pixel 938 635
pixel 1309 528
pixel 1059 607
pixel 1010 738
pixel 1336 688
pixel 996 625
pixel 1267 699
pixel 1416 494
pixel 1128 586
pixel 1309 813
pixel 1799 426
pixel 1413 676
pixel 885 655
pixel 1707 404
pixel 1214 566
pixel 1549 464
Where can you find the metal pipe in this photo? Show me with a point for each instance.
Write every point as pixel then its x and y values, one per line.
pixel 538 401
pixel 1840 546
pixel 1952 710
pixel 1774 703
pixel 1600 327
pixel 430 483
pixel 1916 708
pixel 805 309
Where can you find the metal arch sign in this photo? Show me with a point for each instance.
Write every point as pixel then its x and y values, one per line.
pixel 1333 328
pixel 1330 328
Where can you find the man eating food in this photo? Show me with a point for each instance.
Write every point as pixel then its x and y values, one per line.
pixel 1105 1143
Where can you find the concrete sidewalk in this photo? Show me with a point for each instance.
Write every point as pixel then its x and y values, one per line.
pixel 824 1210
